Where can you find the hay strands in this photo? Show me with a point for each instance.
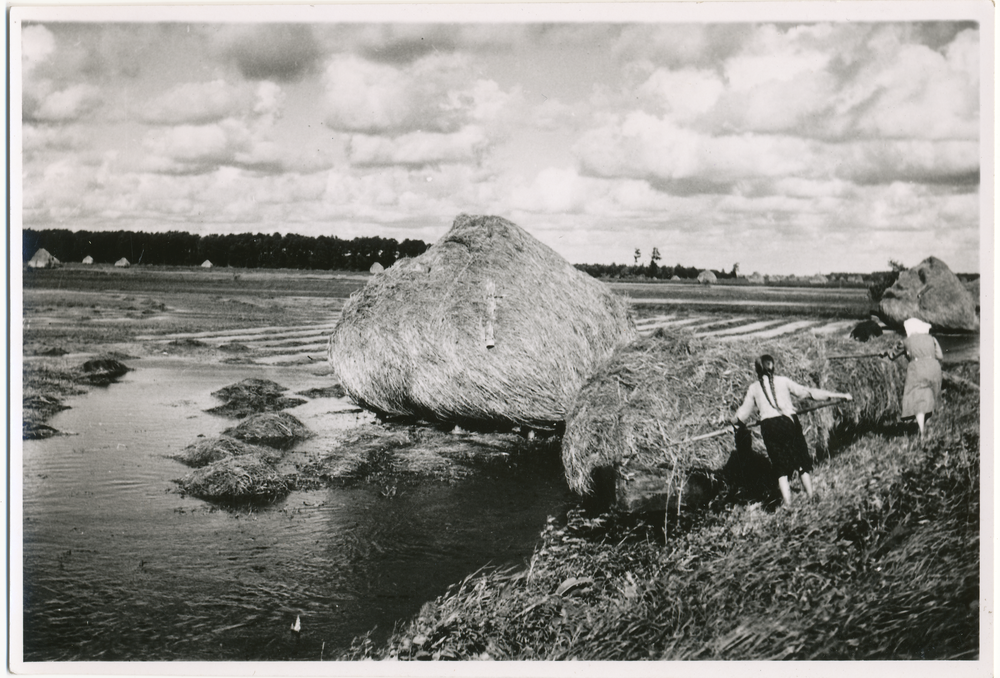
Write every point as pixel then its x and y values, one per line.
pixel 722 431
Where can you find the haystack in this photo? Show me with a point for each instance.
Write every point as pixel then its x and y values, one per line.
pixel 211 450
pixel 43 259
pixel 706 277
pixel 206 264
pixel 236 479
pixel 88 260
pixel 671 386
pixel 274 429
pixel 931 292
pixel 675 278
pixel 122 263
pixel 376 268
pixel 489 325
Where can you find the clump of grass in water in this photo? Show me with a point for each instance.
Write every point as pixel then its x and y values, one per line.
pixel 275 429
pixel 251 396
pixel 883 566
pixel 236 479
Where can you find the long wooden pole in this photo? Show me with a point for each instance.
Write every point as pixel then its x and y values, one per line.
pixel 723 431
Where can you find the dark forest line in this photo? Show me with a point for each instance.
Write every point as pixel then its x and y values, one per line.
pixel 243 250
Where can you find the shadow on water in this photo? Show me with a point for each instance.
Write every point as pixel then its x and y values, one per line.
pixel 119 566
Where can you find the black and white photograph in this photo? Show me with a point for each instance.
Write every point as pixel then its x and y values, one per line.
pixel 530 337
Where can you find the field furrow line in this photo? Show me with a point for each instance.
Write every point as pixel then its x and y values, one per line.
pixel 742 330
pixel 244 334
pixel 781 330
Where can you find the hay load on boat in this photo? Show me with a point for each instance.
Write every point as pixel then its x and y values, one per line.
pixel 488 326
pixel 626 437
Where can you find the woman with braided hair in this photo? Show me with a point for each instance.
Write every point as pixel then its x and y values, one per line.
pixel 770 397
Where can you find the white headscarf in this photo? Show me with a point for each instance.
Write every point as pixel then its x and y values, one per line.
pixel 915 326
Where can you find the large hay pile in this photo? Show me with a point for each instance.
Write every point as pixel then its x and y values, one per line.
pixel 671 387
pixel 489 325
pixel 931 292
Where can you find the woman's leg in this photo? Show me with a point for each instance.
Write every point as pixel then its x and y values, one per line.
pixel 807 483
pixel 786 491
pixel 920 424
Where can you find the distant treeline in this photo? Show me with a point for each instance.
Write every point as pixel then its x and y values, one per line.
pixel 651 271
pixel 243 250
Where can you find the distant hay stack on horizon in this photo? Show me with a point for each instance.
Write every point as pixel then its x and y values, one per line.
pixel 376 268
pixel 706 277
pixel 489 326
pixel 88 260
pixel 671 387
pixel 43 259
pixel 122 263
pixel 206 264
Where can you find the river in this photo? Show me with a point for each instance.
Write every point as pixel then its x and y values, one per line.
pixel 119 566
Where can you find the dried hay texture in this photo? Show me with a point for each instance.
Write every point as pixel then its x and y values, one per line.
pixel 251 396
pixel 489 325
pixel 236 479
pixel 210 450
pixel 931 292
pixel 671 387
pixel 274 429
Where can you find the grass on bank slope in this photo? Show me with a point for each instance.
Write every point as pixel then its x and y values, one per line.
pixel 885 564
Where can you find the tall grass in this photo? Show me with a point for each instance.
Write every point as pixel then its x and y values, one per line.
pixel 883 565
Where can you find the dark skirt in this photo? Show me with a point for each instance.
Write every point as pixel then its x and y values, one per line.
pixel 786 445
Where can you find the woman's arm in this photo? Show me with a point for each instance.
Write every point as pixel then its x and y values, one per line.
pixel 746 409
pixel 816 393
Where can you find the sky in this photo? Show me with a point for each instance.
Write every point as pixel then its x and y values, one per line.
pixel 784 146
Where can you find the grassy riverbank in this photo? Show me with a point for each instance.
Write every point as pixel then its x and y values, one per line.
pixel 885 564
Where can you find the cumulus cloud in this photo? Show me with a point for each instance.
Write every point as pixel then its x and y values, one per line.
pixel 419 148
pixel 438 93
pixel 197 149
pixel 281 52
pixel 205 102
pixel 62 105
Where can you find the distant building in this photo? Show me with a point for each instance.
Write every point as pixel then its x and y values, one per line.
pixel 756 278
pixel 819 279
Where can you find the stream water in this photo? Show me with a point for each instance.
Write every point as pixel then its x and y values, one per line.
pixel 119 566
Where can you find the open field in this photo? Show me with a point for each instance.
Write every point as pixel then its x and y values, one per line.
pixel 884 566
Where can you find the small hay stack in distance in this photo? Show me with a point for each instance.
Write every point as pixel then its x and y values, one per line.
pixel 671 387
pixel 488 326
